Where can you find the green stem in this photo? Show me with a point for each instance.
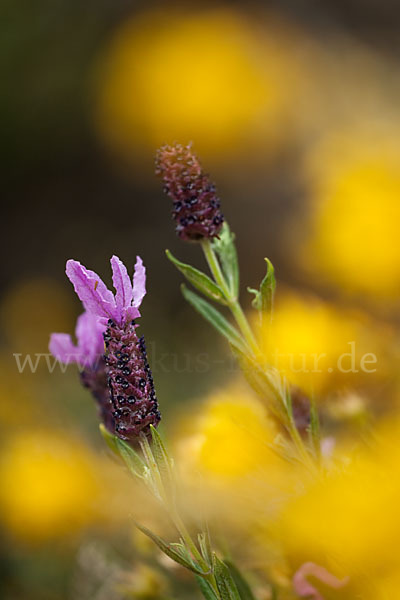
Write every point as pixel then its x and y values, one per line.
pixel 233 302
pixel 190 544
pixel 153 467
pixel 249 337
pixel 184 533
pixel 187 538
pixel 172 510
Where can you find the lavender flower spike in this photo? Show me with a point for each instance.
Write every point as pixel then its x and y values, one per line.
pixel 130 382
pixel 99 300
pixel 121 381
pixel 196 205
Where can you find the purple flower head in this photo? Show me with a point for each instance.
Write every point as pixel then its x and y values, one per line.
pixel 116 370
pixel 90 345
pixel 98 300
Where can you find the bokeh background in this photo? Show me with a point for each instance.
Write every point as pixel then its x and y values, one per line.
pixel 293 108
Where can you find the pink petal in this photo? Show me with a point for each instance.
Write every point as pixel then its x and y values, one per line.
pixel 62 347
pixel 89 333
pixel 132 313
pixel 305 589
pixel 122 283
pixel 91 290
pixel 139 282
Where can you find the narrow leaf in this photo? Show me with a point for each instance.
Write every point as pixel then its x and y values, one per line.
pixel 225 248
pixel 264 297
pixel 131 458
pixel 128 455
pixel 206 588
pixel 256 300
pixel 199 280
pixel 225 583
pixel 267 288
pixel 241 584
pixel 164 462
pixel 262 383
pixel 169 551
pixel 110 439
pixel 153 472
pixel 214 317
pixel 205 546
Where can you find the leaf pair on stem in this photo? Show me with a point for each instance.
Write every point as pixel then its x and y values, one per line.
pixel 155 468
pixel 223 288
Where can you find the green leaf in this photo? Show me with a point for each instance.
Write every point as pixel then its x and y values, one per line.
pixel 205 546
pixel 131 458
pixel 241 584
pixel 225 248
pixel 268 287
pixel 110 439
pixel 214 317
pixel 225 583
pixel 152 472
pixel 206 589
pixel 164 462
pixel 199 280
pixel 262 382
pixel 169 550
pixel 264 297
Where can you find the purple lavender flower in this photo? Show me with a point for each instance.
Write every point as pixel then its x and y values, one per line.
pixel 126 380
pixel 130 381
pixel 88 354
pixel 196 205
pixel 89 334
pixel 99 300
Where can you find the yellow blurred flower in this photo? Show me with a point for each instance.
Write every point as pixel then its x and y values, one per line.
pixel 229 436
pixel 355 190
pixel 48 485
pixel 226 455
pixel 208 76
pixel 387 587
pixel 347 519
pixel 319 346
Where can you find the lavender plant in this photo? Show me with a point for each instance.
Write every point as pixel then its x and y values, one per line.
pixel 196 211
pixel 115 368
pixel 116 371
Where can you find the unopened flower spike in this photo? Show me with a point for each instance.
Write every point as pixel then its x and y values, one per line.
pixel 128 383
pixel 196 209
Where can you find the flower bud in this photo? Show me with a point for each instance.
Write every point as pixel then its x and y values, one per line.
pixel 196 205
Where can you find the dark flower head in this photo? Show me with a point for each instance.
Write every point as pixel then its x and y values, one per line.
pixel 196 205
pixel 112 357
pixel 130 381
